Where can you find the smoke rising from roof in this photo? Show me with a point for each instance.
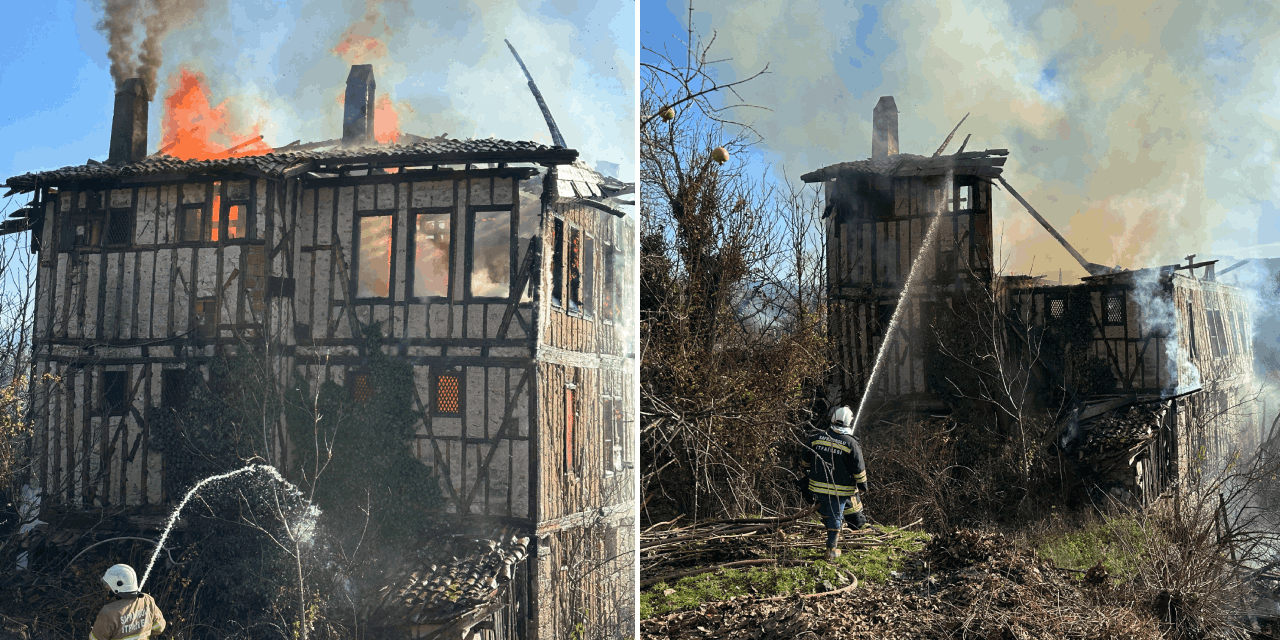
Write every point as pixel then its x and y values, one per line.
pixel 158 18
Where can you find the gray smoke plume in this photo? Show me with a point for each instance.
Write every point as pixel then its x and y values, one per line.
pixel 119 19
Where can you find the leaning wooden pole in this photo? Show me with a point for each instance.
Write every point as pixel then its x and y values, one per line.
pixel 542 104
pixel 1093 269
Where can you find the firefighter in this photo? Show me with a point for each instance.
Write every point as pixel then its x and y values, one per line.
pixel 835 477
pixel 133 615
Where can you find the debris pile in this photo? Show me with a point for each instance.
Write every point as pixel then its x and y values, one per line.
pixel 965 584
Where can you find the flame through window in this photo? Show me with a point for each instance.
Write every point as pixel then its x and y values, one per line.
pixel 373 260
pixel 431 255
pixel 491 254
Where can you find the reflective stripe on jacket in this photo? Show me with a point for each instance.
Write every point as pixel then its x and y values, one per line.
pixel 834 464
pixel 128 618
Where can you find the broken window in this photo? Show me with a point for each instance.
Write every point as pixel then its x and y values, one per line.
pixel 361 386
pixel 1113 309
pixel 373 257
pixel 237 215
pixel 115 393
pixel 884 315
pixel 490 254
pixel 171 387
pixel 118 231
pixel 609 294
pixel 431 242
pixel 575 270
pixel 206 317
pixel 447 395
pixel 191 221
pixel 588 275
pixel 557 261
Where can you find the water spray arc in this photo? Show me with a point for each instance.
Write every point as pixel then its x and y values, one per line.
pixel 270 471
pixel 925 247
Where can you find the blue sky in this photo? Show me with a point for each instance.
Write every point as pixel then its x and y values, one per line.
pixel 1143 132
pixel 446 69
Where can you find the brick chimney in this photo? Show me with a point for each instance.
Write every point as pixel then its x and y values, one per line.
pixel 129 123
pixel 884 121
pixel 357 114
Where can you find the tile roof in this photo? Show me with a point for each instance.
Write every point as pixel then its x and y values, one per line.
pixel 282 162
pixel 983 163
pixel 461 574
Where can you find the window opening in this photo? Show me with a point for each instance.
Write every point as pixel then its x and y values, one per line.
pixel 609 298
pixel 575 270
pixel 557 261
pixel 491 254
pixel 570 417
pixel 191 216
pixel 236 217
pixel 588 274
pixel 1113 308
pixel 216 212
pixel 373 257
pixel 1057 308
pixel 115 390
pixel 206 316
pixel 362 386
pixel 118 227
pixel 431 255
pixel 448 394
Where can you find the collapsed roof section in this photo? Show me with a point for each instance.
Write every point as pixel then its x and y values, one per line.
pixel 987 164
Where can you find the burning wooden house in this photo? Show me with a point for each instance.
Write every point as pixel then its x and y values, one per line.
pixel 499 270
pixel 1149 371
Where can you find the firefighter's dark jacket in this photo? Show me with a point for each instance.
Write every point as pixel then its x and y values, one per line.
pixel 835 466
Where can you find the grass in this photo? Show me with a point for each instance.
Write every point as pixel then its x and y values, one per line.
pixel 1116 542
pixel 871 565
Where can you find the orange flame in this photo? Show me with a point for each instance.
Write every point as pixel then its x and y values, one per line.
pixel 386 121
pixel 360 42
pixel 191 129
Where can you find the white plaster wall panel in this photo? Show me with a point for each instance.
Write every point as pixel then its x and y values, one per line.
pixel 382 313
pixel 479 188
pixel 229 286
pixel 420 194
pixel 472 460
pixel 302 288
pixel 167 216
pixel 164 287
pixel 386 196
pixel 474 318
pixel 320 304
pixel 442 193
pixel 498 478
pixel 61 294
pixel 509 352
pixel 84 199
pixel 502 190
pixel 128 295
pixel 121 198
pixel 464 351
pixel 417 321
pixel 206 272
pixel 402 223
pixel 496 399
pixel 263 209
pixel 474 411
pixel 346 223
pixel 362 314
pixel 192 193
pixel 494 320
pixel 64 201
pixel 364 197
pixel 77 453
pixel 93 275
pixel 520 478
pixel 111 298
pixel 341 324
pixel 397 322
pixel 307 219
pixel 324 215
pixel 183 288
pixel 337 375
pixel 446 427
pixel 458 320
pixel 420 352
pixel 520 413
pixel 438 324
pixel 144 224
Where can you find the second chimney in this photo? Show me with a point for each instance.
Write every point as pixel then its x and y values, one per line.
pixel 884 122
pixel 357 114
pixel 129 123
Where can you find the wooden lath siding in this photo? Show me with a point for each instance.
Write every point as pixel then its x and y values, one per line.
pixel 875 230
pixel 1218 313
pixel 582 575
pixel 587 331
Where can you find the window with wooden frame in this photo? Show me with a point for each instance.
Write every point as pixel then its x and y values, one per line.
pixel 202 222
pixel 574 270
pixel 614 444
pixel 119 227
pixel 115 393
pixel 608 292
pixel 373 242
pixel 432 253
pixel 1113 309
pixel 360 383
pixel 557 262
pixel 446 394
pixel 489 249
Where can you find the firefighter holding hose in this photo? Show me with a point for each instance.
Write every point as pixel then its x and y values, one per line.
pixel 836 477
pixel 133 615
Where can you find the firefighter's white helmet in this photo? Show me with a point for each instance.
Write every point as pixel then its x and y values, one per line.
pixel 121 579
pixel 842 420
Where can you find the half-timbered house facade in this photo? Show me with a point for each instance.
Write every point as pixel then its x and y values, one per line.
pixel 497 269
